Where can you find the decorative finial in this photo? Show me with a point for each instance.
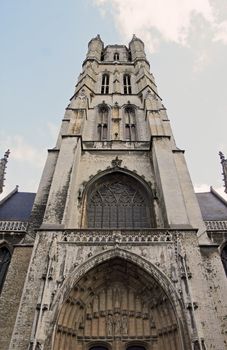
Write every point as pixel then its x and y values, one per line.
pixel 116 163
pixel 224 167
pixel 3 163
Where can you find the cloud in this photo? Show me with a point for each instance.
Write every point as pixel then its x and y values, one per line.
pixel 170 21
pixel 221 32
pixel 22 151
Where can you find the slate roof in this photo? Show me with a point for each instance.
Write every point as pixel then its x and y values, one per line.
pixel 17 206
pixel 212 205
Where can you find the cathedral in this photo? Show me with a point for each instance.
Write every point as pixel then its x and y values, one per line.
pixel 115 251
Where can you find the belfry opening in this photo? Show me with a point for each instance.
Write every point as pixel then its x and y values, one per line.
pixel 117 305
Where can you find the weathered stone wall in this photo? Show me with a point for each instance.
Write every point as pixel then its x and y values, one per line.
pixel 59 255
pixel 11 293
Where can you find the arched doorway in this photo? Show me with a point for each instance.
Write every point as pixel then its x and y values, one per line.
pixel 117 200
pixel 119 304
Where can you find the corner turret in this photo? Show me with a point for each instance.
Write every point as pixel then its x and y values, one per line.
pixel 95 48
pixel 136 47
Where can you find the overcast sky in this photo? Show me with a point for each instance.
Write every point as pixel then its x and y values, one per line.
pixel 43 44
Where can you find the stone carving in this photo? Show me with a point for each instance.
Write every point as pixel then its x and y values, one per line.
pixel 116 163
pixel 124 325
pixel 77 123
pixel 128 237
pixel 117 324
pixel 109 325
pixel 116 308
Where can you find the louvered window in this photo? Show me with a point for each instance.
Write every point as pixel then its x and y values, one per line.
pixel 105 84
pixel 130 124
pixel 127 84
pixel 103 123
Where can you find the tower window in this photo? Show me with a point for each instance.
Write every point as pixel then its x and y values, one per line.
pixel 127 84
pixel 130 124
pixel 105 84
pixel 103 123
pixel 116 56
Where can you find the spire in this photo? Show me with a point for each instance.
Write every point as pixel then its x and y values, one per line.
pixel 224 167
pixel 3 163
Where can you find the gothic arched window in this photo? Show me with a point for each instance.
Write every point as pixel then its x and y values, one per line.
pixel 105 84
pixel 116 56
pixel 127 84
pixel 119 201
pixel 224 258
pixel 5 258
pixel 130 123
pixel 103 116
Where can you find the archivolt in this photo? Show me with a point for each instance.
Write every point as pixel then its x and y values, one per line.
pixel 81 293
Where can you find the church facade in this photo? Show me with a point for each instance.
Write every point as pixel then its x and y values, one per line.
pixel 118 252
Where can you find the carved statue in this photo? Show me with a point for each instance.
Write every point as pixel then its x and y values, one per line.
pixel 109 325
pixel 80 101
pixel 78 120
pixel 117 324
pixel 124 325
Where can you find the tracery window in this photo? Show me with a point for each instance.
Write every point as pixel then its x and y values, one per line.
pixel 103 116
pixel 5 257
pixel 224 258
pixel 130 124
pixel 116 56
pixel 127 84
pixel 119 201
pixel 105 84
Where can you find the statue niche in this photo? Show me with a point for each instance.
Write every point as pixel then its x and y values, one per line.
pixel 77 121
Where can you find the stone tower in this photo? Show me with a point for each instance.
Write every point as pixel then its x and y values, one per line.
pixel 121 257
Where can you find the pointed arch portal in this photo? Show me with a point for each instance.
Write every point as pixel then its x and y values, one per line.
pixel 117 305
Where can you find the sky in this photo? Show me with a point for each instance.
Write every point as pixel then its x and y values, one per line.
pixel 43 44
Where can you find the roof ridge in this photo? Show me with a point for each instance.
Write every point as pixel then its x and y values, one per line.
pixel 216 194
pixel 15 190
